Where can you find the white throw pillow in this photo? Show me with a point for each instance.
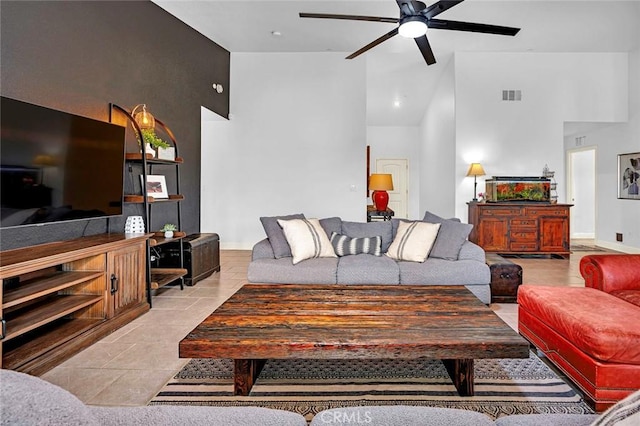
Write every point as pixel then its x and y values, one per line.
pixel 413 241
pixel 307 239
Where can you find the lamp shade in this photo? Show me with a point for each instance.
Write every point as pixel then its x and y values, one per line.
pixel 380 182
pixel 475 169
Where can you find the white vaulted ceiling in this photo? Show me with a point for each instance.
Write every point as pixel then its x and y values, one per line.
pixel 395 69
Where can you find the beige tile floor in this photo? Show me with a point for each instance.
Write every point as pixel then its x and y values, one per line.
pixel 130 366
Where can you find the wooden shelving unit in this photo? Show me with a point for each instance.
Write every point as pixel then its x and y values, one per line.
pixel 47 311
pixel 37 287
pixel 58 298
pixel 147 163
pixel 164 276
pixel 41 343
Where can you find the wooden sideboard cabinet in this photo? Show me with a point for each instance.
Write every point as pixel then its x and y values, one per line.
pixel 521 228
pixel 61 297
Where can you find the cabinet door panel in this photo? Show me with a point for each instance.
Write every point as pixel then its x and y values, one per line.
pixel 493 234
pixel 126 277
pixel 554 234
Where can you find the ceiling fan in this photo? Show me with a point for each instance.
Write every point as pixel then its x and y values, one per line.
pixel 415 18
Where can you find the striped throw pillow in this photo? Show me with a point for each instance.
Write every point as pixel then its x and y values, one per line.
pixel 413 241
pixel 625 412
pixel 344 245
pixel 307 239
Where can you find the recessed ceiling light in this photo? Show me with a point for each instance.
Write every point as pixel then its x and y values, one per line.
pixel 396 104
pixel 276 33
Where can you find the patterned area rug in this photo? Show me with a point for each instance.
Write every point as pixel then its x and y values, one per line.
pixel 503 386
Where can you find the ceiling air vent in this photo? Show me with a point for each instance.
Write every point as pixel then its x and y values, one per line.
pixel 512 95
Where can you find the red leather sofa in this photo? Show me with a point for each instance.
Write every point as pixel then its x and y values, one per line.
pixel 590 333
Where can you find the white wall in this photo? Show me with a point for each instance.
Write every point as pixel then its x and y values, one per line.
pixel 614 215
pixel 438 147
pixel 296 142
pixel 298 132
pixel 399 142
pixel 519 138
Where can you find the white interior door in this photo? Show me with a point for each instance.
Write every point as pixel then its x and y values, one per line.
pixel 399 170
pixel 582 192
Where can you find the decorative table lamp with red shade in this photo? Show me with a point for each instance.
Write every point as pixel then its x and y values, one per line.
pixel 380 183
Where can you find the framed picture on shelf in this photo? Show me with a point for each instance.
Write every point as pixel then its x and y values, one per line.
pixel 156 186
pixel 629 176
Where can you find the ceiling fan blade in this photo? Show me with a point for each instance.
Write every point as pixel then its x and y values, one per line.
pixel 472 27
pixel 349 17
pixel 425 49
pixel 374 43
pixel 409 7
pixel 439 7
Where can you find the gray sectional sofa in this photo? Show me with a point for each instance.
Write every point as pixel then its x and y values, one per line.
pixel 453 260
pixel 29 401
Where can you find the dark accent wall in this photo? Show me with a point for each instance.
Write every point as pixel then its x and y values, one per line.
pixel 80 56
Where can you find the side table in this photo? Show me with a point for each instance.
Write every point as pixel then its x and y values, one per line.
pixel 372 213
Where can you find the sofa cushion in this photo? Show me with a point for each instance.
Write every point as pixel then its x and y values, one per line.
pixel 322 270
pixel 331 225
pixel 172 415
pixel 631 296
pixel 451 236
pixel 446 272
pixel 307 239
pixel 28 400
pixel 434 218
pixel 400 415
pixel 413 241
pixel 367 269
pixel 345 246
pixel 370 229
pixel 276 236
pixel 597 323
pixel 547 419
pixel 471 251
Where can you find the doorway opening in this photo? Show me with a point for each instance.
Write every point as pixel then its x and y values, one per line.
pixel 581 191
pixel 399 170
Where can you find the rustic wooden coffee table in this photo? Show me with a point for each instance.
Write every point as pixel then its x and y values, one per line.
pixel 279 321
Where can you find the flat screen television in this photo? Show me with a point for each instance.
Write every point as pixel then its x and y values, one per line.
pixel 56 166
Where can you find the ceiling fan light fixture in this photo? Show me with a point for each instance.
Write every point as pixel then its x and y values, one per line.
pixel 412 27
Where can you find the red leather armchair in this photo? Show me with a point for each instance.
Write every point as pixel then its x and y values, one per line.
pixel 591 333
pixel 618 275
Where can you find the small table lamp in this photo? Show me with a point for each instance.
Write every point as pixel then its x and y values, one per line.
pixel 380 184
pixel 475 170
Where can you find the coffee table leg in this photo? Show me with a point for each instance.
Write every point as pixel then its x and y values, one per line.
pixel 461 372
pixel 245 373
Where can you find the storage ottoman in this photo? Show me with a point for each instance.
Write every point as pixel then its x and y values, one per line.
pixel 201 256
pixel 506 278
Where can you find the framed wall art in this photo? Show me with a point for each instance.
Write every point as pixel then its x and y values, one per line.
pixel 156 186
pixel 629 176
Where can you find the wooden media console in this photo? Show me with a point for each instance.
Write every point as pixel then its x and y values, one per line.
pixel 59 298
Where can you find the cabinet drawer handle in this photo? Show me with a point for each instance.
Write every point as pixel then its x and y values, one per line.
pixel 4 328
pixel 114 283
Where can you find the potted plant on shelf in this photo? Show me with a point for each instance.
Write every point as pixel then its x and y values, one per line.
pixel 168 229
pixel 154 143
